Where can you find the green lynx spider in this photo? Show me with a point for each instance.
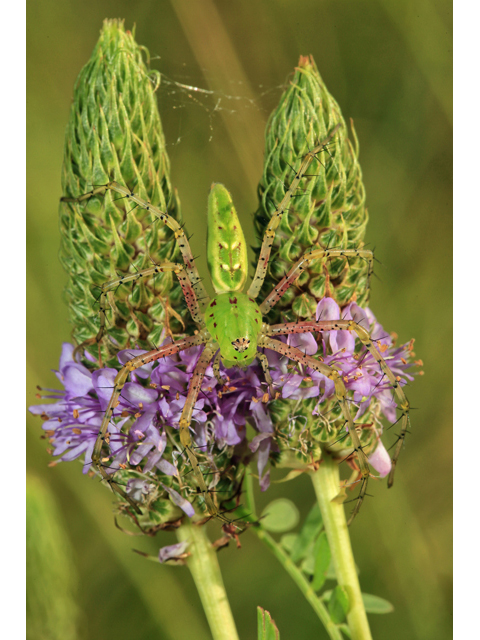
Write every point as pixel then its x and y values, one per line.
pixel 231 327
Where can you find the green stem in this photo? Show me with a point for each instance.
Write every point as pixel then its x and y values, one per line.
pixel 205 570
pixel 326 482
pixel 291 568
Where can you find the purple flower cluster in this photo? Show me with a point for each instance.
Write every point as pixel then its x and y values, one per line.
pixel 154 397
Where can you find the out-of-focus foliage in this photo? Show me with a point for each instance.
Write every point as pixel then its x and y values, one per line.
pixel 51 574
pixel 388 66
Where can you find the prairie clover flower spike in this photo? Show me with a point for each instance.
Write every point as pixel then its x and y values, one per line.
pixel 170 432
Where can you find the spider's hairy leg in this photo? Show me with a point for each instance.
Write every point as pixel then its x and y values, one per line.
pixel 266 372
pixel 168 220
pixel 97 191
pixel 186 419
pixel 276 218
pixel 364 336
pixel 303 263
pixel 189 293
pixel 169 311
pixel 341 394
pixel 120 379
pixel 216 371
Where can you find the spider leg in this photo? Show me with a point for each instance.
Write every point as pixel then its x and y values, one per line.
pixel 364 336
pixel 276 218
pixel 216 371
pixel 120 379
pixel 169 221
pixel 186 419
pixel 184 425
pixel 170 311
pixel 183 279
pixel 341 394
pixel 303 263
pixel 266 372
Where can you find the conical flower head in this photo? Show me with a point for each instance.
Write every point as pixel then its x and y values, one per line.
pixel 328 209
pixel 114 133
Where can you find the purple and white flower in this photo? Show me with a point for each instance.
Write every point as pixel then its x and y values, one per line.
pixel 153 399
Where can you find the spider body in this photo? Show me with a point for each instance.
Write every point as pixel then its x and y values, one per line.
pixel 233 319
pixel 231 328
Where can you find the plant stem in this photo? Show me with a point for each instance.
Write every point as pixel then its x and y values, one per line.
pixel 205 570
pixel 326 482
pixel 291 568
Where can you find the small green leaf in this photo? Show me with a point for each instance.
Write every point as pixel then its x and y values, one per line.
pixel 322 561
pixel 338 604
pixel 288 541
pixel 267 629
pixel 375 604
pixel 310 530
pixel 331 573
pixel 308 563
pixel 280 515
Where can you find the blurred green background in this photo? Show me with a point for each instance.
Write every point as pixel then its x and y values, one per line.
pixel 388 64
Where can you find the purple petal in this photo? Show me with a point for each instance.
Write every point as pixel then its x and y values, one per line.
pixel 357 314
pixel 167 468
pixel 262 419
pixel 173 551
pixel 133 393
pixel 328 309
pixel 257 440
pixel 303 341
pixel 77 379
pixel 180 501
pixel 263 453
pixel 66 356
pixel 138 487
pixel 225 431
pixel 380 460
pixel 264 482
pixel 103 382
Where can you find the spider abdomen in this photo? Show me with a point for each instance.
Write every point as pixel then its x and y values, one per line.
pixel 227 249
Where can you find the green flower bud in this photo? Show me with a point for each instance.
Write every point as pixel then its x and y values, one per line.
pixel 115 133
pixel 328 210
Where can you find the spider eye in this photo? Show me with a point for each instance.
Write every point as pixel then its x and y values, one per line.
pixel 241 344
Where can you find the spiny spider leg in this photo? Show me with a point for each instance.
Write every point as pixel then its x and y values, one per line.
pixel 119 383
pixel 171 223
pixel 363 335
pixel 186 419
pixel 299 267
pixel 341 394
pixel 266 372
pixel 169 310
pixel 216 370
pixel 276 218
pixel 264 364
pixel 183 279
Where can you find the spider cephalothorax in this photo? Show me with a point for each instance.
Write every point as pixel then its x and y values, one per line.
pixel 235 323
pixel 230 325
